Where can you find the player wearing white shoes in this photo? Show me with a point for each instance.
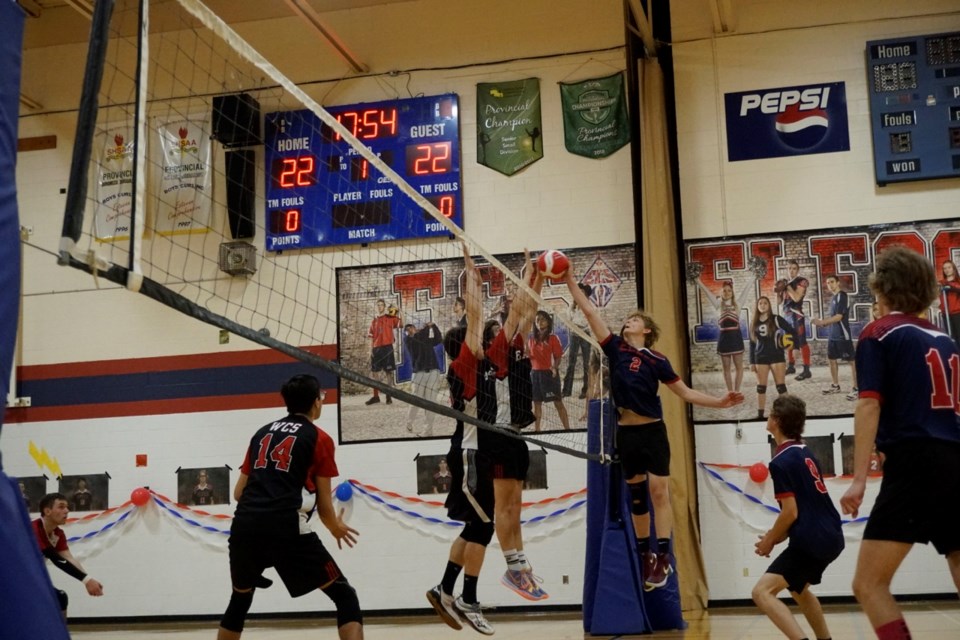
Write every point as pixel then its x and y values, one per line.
pixel 840 340
pixel 426 371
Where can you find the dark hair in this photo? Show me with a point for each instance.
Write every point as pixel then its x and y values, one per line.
pixel 47 501
pixel 409 325
pixel 488 334
pixel 541 336
pixel 905 279
pixel 756 321
pixel 453 340
pixel 790 412
pixel 459 300
pixel 791 261
pixel 587 289
pixel 300 392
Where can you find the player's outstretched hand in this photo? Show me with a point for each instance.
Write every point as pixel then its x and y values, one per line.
pixel 344 533
pixel 731 399
pixel 853 498
pixel 94 587
pixel 763 547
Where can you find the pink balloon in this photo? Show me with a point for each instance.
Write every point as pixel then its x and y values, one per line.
pixel 759 472
pixel 140 496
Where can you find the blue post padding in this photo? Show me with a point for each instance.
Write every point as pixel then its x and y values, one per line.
pixel 614 602
pixel 30 608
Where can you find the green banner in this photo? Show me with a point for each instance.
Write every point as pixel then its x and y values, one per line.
pixel 509 129
pixel 595 122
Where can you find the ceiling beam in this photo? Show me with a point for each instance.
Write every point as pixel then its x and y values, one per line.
pixel 643 27
pixel 83 7
pixel 307 13
pixel 30 103
pixel 31 8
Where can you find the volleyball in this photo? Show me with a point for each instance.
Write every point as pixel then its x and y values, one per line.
pixel 553 264
pixel 783 339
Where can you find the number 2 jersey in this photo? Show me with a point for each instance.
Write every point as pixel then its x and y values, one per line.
pixel 281 463
pixel 913 369
pixel 635 376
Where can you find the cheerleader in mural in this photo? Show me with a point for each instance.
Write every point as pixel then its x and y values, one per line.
pixel 730 340
pixel 770 335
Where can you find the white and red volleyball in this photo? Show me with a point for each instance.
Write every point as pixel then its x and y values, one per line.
pixel 553 264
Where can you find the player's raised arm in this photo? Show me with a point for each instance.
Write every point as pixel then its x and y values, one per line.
pixel 597 325
pixel 471 294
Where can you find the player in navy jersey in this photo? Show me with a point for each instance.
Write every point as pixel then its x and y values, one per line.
pixel 285 477
pixel 636 372
pixel 907 370
pixel 807 518
pixel 768 334
pixel 840 340
pixel 472 381
pixel 792 293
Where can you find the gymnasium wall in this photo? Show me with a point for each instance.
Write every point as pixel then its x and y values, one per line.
pixel 825 191
pixel 77 331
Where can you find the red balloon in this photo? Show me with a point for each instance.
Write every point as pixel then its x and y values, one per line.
pixel 758 472
pixel 140 496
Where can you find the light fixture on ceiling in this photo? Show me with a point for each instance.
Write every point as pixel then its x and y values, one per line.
pixel 84 7
pixel 30 103
pixel 307 13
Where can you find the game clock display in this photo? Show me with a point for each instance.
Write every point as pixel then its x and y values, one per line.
pixel 321 192
pixel 915 107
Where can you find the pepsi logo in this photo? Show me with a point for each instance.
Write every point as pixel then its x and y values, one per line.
pixel 801 129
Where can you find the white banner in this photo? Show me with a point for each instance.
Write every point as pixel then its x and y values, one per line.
pixel 182 158
pixel 114 182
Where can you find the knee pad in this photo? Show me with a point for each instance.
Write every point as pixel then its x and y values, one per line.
pixel 639 504
pixel 478 532
pixel 62 599
pixel 761 389
pixel 345 598
pixel 781 389
pixel 236 613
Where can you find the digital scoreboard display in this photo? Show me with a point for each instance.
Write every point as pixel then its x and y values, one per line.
pixel 915 107
pixel 321 192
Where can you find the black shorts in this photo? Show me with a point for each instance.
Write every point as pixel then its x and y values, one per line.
pixel 840 350
pixel 381 359
pixel 303 563
pixel 770 357
pixel 510 456
pixel 799 568
pixel 644 448
pixel 521 393
pixel 471 490
pixel 921 480
pixel 546 386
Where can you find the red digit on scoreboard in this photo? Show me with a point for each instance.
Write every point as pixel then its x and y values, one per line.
pixel 305 171
pixel 291 221
pixel 445 205
pixel 288 172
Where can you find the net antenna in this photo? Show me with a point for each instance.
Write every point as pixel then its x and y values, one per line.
pixel 163 200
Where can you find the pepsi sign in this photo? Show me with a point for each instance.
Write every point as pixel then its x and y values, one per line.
pixel 788 121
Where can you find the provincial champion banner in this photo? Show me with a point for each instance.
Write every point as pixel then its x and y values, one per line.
pixel 183 196
pixel 595 121
pixel 509 129
pixel 114 182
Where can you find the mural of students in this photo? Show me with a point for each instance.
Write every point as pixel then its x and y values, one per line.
pixel 791 293
pixel 770 337
pixel 840 340
pixel 730 340
pixel 950 298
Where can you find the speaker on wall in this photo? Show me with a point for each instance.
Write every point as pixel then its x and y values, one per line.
pixel 236 120
pixel 241 190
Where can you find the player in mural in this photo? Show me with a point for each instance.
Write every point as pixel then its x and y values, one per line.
pixel 426 371
pixel 769 337
pixel 807 518
pixel 840 340
pixel 382 360
pixel 545 354
pixel 636 371
pixel 202 492
pixel 950 298
pixel 907 372
pixel 791 294
pixel 730 340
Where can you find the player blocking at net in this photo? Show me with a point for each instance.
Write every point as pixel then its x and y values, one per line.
pixel 636 371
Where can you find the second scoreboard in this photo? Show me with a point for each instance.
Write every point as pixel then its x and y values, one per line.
pixel 321 192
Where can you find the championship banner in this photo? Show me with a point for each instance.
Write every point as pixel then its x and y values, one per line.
pixel 114 182
pixel 595 123
pixel 184 152
pixel 509 133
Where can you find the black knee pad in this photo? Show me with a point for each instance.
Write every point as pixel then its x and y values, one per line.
pixel 639 504
pixel 761 389
pixel 345 598
pixel 781 389
pixel 236 613
pixel 478 532
pixel 62 599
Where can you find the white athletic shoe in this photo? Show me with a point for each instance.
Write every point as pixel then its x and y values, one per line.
pixel 854 394
pixel 832 389
pixel 473 615
pixel 443 604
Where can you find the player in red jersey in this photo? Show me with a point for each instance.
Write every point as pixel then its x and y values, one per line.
pixel 284 479
pixel 545 354
pixel 950 298
pixel 53 545
pixel 636 372
pixel 907 370
pixel 382 360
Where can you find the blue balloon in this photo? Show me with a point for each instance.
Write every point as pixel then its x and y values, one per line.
pixel 344 492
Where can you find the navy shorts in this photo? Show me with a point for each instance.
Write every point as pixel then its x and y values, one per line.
pixel 921 479
pixel 302 562
pixel 799 568
pixel 546 386
pixel 382 359
pixel 644 448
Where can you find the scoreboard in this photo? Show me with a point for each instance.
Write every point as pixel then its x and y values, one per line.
pixel 914 86
pixel 321 192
